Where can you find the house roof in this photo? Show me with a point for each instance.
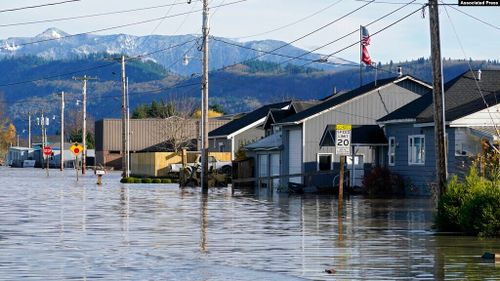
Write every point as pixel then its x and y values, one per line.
pixel 341 98
pixel 361 134
pixel 462 98
pixel 246 120
pixel 272 142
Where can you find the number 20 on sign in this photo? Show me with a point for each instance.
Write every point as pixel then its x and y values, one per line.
pixel 343 139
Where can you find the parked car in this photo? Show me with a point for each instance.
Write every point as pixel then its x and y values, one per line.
pixel 213 164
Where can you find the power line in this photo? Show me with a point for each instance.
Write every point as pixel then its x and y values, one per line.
pixel 118 26
pixel 476 18
pixel 92 68
pixel 350 33
pixel 292 23
pixel 90 15
pixel 473 75
pixel 38 6
pixel 373 34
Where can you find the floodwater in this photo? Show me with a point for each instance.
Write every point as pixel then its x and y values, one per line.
pixel 54 228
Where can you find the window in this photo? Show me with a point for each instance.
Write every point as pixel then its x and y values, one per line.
pixel 324 161
pixel 392 151
pixel 416 150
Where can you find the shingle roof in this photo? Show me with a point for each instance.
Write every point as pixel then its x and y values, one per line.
pixel 246 120
pixel 361 134
pixel 336 100
pixel 461 99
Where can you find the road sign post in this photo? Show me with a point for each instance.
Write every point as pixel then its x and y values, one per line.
pixel 343 149
pixel 76 149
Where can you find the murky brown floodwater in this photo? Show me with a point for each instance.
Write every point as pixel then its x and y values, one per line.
pixel 57 229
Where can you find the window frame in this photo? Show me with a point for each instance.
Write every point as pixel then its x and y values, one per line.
pixel 411 143
pixel 324 154
pixel 391 163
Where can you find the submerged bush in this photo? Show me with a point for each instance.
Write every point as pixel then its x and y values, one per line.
pixel 147 180
pixel 156 180
pixel 381 181
pixel 472 206
pixel 166 181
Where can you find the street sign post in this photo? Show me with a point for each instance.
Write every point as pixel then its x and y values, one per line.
pixel 76 149
pixel 342 148
pixel 47 151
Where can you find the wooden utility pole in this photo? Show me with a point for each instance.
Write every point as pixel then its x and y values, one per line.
pixel 62 132
pixel 85 78
pixel 29 129
pixel 204 102
pixel 125 164
pixel 438 96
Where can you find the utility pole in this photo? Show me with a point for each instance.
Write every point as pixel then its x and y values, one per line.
pixel 204 98
pixel 438 96
pixel 29 129
pixel 62 131
pixel 128 133
pixel 124 121
pixel 85 78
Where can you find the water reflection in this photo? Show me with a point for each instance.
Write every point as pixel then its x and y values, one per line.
pixel 57 229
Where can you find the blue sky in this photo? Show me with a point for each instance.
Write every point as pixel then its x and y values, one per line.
pixel 406 40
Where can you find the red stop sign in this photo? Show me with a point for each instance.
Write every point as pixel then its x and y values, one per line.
pixel 47 150
pixel 76 150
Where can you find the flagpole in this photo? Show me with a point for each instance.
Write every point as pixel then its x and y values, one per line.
pixel 360 56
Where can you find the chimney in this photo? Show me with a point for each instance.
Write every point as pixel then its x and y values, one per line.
pixel 479 75
pixel 400 71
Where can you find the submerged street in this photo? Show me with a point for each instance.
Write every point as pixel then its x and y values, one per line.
pixel 54 228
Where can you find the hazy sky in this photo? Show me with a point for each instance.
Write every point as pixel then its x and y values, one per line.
pixel 406 40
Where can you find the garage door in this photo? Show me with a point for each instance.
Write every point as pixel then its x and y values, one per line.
pixel 295 155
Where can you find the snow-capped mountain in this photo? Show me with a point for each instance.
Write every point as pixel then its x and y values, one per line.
pixel 168 51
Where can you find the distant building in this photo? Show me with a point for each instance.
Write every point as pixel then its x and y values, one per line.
pixel 147 135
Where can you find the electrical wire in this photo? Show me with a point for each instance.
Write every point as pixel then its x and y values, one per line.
pixel 116 27
pixel 473 74
pixel 350 33
pixel 476 18
pixel 292 23
pixel 91 68
pixel 90 15
pixel 373 34
pixel 38 6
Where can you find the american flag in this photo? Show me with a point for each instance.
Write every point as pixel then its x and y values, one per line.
pixel 365 41
pixel 365 36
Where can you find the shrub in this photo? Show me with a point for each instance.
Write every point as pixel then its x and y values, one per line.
pixel 472 207
pixel 128 180
pixel 156 180
pixel 137 180
pixel 381 181
pixel 146 180
pixel 166 181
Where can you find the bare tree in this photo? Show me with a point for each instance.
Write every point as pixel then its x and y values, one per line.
pixel 179 129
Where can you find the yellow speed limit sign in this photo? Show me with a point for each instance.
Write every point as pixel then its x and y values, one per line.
pixel 76 149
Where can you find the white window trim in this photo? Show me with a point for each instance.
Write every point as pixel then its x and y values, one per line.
pixel 409 151
pixel 317 160
pixel 389 152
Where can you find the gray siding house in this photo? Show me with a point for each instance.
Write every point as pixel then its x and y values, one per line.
pixel 472 114
pixel 297 147
pixel 244 130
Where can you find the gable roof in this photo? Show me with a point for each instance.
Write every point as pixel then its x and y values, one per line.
pixel 361 134
pixel 246 120
pixel 461 99
pixel 339 99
